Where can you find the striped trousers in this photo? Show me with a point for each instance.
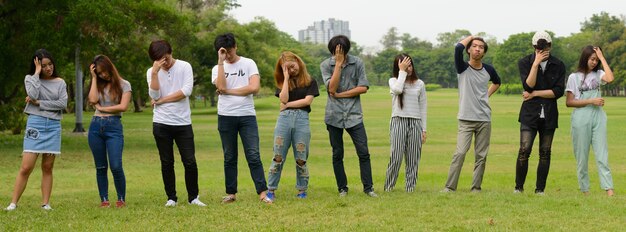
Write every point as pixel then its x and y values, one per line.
pixel 406 142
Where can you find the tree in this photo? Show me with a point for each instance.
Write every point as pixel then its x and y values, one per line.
pixel 391 40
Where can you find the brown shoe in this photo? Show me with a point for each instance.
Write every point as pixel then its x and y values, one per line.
pixel 228 199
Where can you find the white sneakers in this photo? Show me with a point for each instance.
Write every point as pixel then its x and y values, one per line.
pixel 11 207
pixel 172 203
pixel 197 202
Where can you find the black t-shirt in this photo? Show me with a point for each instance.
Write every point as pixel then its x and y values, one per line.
pixel 301 92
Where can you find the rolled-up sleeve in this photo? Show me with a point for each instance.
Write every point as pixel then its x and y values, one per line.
pixel 154 94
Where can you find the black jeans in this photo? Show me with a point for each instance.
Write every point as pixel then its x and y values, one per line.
pixel 248 130
pixel 527 137
pixel 165 136
pixel 359 138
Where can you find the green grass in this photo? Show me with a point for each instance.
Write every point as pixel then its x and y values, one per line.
pixel 563 208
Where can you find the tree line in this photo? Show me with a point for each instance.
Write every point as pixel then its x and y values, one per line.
pixel 77 30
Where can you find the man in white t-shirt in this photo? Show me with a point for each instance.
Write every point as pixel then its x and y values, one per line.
pixel 170 82
pixel 237 79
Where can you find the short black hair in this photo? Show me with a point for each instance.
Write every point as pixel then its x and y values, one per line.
pixel 224 41
pixel 158 49
pixel 342 40
pixel 469 45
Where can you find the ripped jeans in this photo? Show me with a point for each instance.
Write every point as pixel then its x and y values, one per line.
pixel 106 140
pixel 527 137
pixel 292 129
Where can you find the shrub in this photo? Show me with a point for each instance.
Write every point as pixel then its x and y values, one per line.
pixel 432 87
pixel 508 89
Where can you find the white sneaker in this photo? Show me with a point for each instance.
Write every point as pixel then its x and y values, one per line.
pixel 46 207
pixel 197 202
pixel 170 203
pixel 11 207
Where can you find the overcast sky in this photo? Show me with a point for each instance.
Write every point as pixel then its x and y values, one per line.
pixel 370 20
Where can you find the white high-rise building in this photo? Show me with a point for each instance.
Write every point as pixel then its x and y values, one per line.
pixel 322 31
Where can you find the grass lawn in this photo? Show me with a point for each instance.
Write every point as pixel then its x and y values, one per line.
pixel 563 208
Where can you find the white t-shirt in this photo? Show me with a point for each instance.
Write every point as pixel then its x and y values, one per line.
pixel 237 75
pixel 592 81
pixel 178 77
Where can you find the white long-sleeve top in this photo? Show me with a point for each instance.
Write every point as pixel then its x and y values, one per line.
pixel 414 98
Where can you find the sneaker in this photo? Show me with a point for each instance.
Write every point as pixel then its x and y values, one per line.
pixel 343 193
pixel 539 192
pixel 518 191
pixel 446 190
pixel 371 194
pixel 271 195
pixel 197 202
pixel 301 195
pixel 475 190
pixel 105 204
pixel 11 207
pixel 170 203
pixel 120 204
pixel 46 207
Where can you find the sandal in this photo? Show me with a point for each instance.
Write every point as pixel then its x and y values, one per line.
pixel 228 199
pixel 266 200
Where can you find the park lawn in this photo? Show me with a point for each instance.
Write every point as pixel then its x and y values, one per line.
pixel 563 208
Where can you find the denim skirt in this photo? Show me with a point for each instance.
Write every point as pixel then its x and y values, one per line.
pixel 42 135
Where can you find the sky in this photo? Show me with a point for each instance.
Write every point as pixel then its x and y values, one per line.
pixel 370 20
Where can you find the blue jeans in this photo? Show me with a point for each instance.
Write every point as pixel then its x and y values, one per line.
pixel 359 139
pixel 292 128
pixel 106 137
pixel 246 127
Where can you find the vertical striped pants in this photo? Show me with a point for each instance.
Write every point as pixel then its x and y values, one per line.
pixel 406 141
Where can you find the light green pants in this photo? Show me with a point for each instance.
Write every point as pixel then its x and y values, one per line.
pixel 589 128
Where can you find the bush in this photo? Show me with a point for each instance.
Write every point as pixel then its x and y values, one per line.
pixel 432 87
pixel 508 89
pixel 12 117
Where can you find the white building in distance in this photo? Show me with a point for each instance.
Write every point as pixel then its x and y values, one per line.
pixel 322 31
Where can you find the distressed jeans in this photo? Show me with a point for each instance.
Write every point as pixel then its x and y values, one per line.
pixel 246 127
pixel 106 140
pixel 527 137
pixel 292 129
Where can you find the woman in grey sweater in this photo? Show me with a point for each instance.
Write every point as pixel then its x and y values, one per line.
pixel 46 100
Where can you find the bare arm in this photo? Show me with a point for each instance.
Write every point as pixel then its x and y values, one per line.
pixel 306 101
pixel 92 97
pixel 220 81
pixel 284 92
pixel 577 103
pixel 252 88
pixel 492 89
pixel 356 91
pixel 608 73
pixel 122 107
pixel 540 55
pixel 340 57
pixel 155 86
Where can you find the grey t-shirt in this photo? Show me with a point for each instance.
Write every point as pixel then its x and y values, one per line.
pixel 51 95
pixel 105 100
pixel 473 88
pixel 344 112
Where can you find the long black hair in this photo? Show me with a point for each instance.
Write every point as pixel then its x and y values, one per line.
pixel 42 53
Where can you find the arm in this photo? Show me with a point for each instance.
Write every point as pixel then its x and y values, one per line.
pixel 422 102
pixel 356 91
pixel 459 63
pixel 492 89
pixel 577 103
pixel 306 101
pixel 252 88
pixel 122 107
pixel 183 92
pixel 59 104
pixel 608 73
pixel 284 92
pixel 531 79
pixel 340 57
pixel 92 97
pixel 397 87
pixel 32 82
pixel 153 79
pixel 220 81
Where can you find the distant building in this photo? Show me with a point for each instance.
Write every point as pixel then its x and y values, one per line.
pixel 322 31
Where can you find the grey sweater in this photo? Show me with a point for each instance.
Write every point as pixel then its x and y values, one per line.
pixel 51 95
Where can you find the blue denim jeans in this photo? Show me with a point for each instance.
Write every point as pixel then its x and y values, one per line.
pixel 246 127
pixel 359 139
pixel 292 129
pixel 106 138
